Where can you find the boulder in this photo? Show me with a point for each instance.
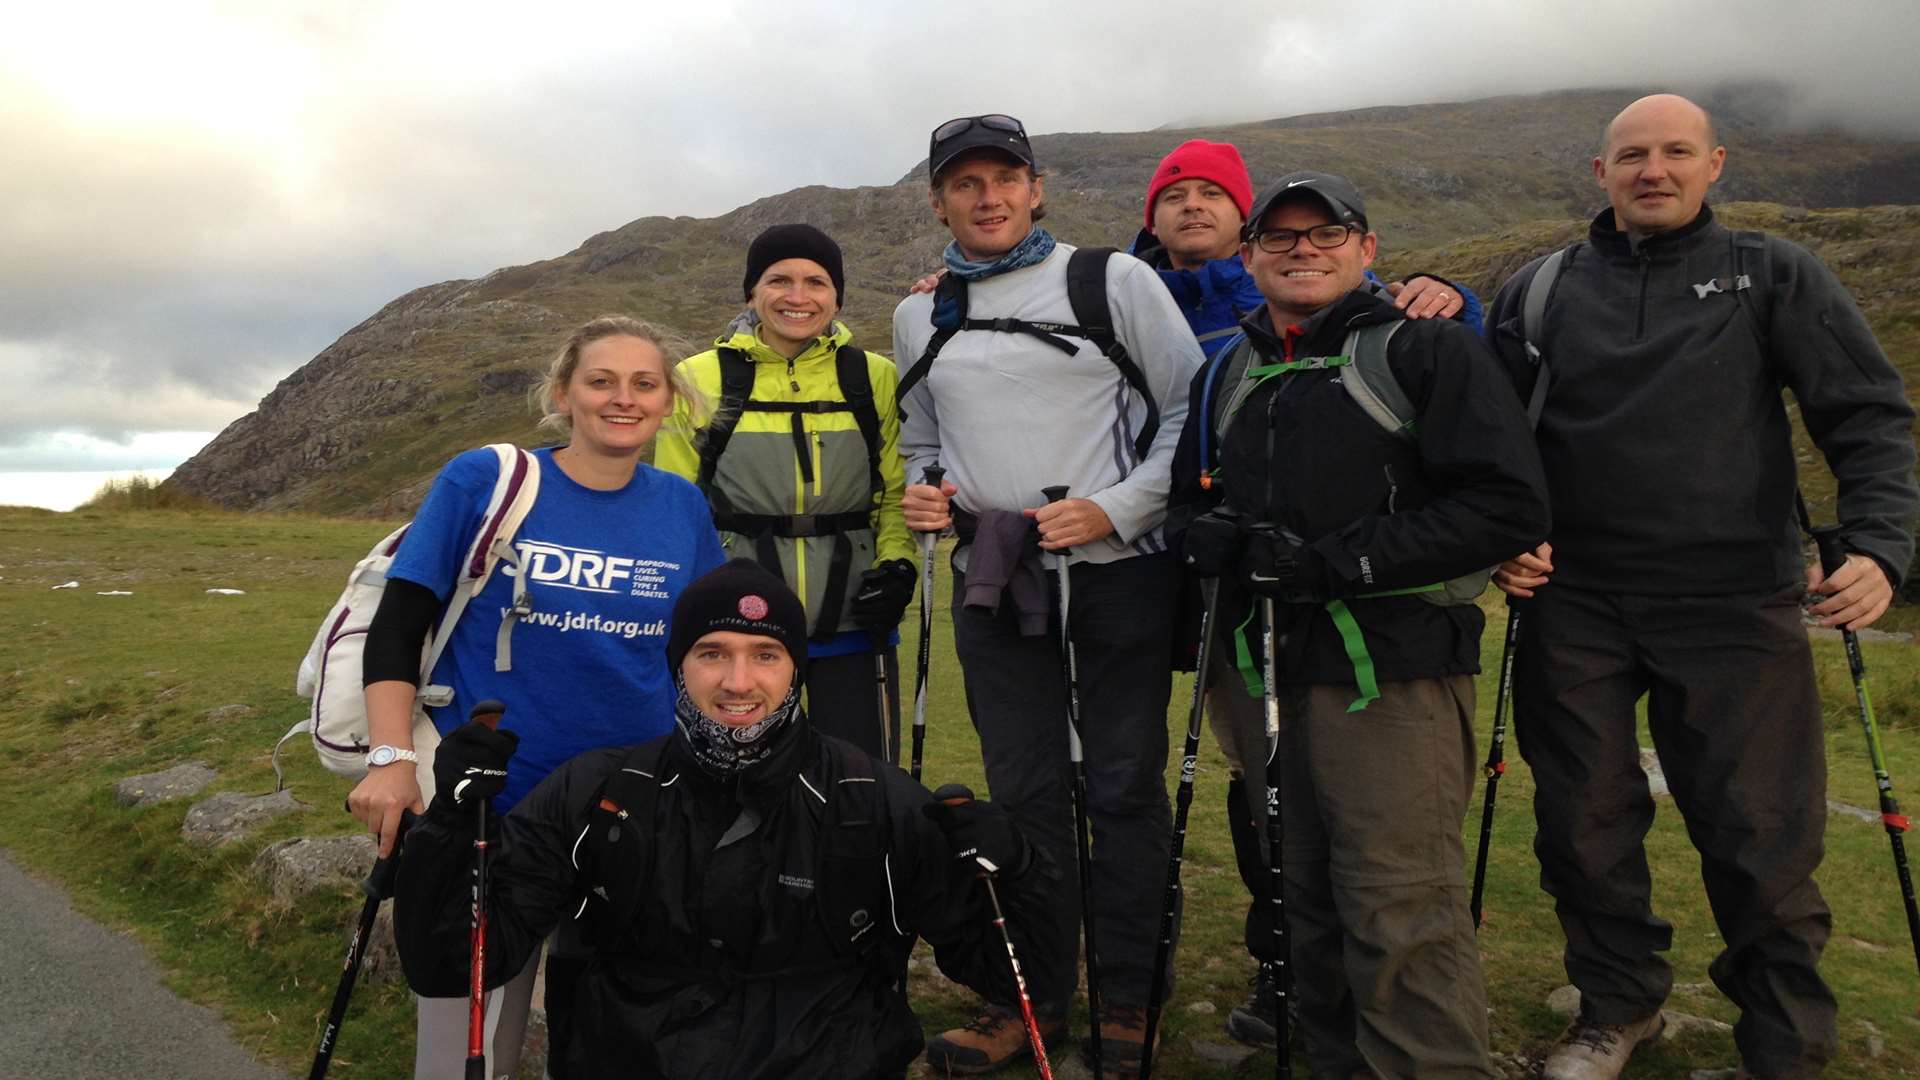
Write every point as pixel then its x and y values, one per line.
pixel 184 779
pixel 305 865
pixel 229 816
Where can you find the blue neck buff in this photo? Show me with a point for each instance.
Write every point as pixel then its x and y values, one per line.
pixel 1037 245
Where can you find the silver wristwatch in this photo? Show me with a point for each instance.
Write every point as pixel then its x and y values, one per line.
pixel 387 755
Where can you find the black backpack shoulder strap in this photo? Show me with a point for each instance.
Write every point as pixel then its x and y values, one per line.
pixel 856 385
pixel 736 385
pixel 1753 277
pixel 856 835
pixel 948 313
pixel 620 832
pixel 1087 295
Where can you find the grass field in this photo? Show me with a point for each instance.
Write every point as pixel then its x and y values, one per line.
pixel 94 688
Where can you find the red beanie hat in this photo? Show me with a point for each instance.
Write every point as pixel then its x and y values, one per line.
pixel 1217 162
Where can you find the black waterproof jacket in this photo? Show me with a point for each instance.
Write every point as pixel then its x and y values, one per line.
pixel 725 966
pixel 1377 512
pixel 1664 435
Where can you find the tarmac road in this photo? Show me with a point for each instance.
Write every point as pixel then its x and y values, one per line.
pixel 80 1001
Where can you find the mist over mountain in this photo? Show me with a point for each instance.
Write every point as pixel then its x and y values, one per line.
pixel 1470 190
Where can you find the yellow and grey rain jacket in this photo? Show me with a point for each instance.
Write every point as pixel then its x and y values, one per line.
pixel 803 476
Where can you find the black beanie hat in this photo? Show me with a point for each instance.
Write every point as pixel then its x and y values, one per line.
pixel 794 242
pixel 743 597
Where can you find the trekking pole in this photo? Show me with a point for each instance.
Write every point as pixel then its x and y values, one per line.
pixel 933 475
pixel 1832 557
pixel 880 696
pixel 955 795
pixel 1210 590
pixel 489 713
pixel 1270 701
pixel 1496 766
pixel 378 886
pixel 1077 754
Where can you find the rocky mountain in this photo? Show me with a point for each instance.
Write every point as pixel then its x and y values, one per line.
pixel 1470 190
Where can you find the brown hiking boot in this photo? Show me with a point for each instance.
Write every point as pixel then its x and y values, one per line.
pixel 1590 1051
pixel 1123 1034
pixel 992 1040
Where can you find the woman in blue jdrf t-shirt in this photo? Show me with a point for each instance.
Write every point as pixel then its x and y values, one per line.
pixel 607 548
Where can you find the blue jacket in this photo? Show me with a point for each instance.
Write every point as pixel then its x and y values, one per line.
pixel 1220 293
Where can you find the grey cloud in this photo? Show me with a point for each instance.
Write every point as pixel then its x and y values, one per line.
pixel 186 274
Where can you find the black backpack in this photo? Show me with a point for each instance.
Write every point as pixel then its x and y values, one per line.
pixel 1087 295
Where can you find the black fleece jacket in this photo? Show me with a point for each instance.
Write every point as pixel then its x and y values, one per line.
pixel 1665 438
pixel 724 967
pixel 1377 511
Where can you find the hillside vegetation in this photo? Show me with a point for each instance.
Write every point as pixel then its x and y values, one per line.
pixel 1472 190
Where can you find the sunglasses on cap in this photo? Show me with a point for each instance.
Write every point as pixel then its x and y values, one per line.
pixel 993 121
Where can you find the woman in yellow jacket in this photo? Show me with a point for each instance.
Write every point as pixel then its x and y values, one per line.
pixel 801 464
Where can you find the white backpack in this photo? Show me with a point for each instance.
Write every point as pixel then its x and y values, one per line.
pixel 330 674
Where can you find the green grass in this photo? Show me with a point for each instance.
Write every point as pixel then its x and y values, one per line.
pixel 95 688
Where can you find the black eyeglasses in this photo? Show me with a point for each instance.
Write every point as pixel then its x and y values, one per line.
pixel 993 121
pixel 1281 241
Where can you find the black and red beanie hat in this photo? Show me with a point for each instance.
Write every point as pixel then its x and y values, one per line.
pixel 743 597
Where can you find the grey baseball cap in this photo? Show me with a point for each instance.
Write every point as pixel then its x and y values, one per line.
pixel 1336 193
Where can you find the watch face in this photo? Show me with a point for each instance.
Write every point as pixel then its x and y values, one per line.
pixel 381 755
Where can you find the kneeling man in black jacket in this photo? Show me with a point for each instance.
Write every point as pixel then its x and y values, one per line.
pixel 1363 472
pixel 747 891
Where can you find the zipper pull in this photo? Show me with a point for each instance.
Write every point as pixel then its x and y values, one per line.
pixel 792 382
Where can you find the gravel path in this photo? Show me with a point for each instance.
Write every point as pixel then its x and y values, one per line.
pixel 78 1000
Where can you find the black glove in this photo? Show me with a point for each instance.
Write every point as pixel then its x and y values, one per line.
pixel 980 830
pixel 883 596
pixel 471 763
pixel 1277 564
pixel 1213 543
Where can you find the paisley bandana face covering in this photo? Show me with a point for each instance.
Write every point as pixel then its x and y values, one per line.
pixel 724 751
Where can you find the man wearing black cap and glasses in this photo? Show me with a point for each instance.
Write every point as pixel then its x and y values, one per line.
pixel 1366 525
pixel 1012 387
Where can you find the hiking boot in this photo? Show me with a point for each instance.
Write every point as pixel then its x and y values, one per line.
pixel 1123 1035
pixel 1252 1021
pixel 992 1040
pixel 1590 1051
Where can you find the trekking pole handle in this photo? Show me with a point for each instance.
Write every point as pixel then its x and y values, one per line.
pixel 961 795
pixel 1826 539
pixel 379 883
pixel 489 712
pixel 1055 493
pixel 933 476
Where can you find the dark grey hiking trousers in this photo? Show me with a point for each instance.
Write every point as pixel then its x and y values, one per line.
pixel 1122 613
pixel 1735 716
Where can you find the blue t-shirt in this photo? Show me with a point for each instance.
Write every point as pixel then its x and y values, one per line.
pixel 605 567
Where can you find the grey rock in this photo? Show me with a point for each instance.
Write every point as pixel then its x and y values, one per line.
pixel 1565 1000
pixel 305 865
pixel 1515 1066
pixel 1230 1054
pixel 1858 813
pixel 229 712
pixel 1694 988
pixel 1203 1008
pixel 230 815
pixel 184 779
pixel 1679 1023
pixel 1656 778
pixel 1876 1043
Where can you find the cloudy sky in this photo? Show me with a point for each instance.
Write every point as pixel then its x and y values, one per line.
pixel 197 197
